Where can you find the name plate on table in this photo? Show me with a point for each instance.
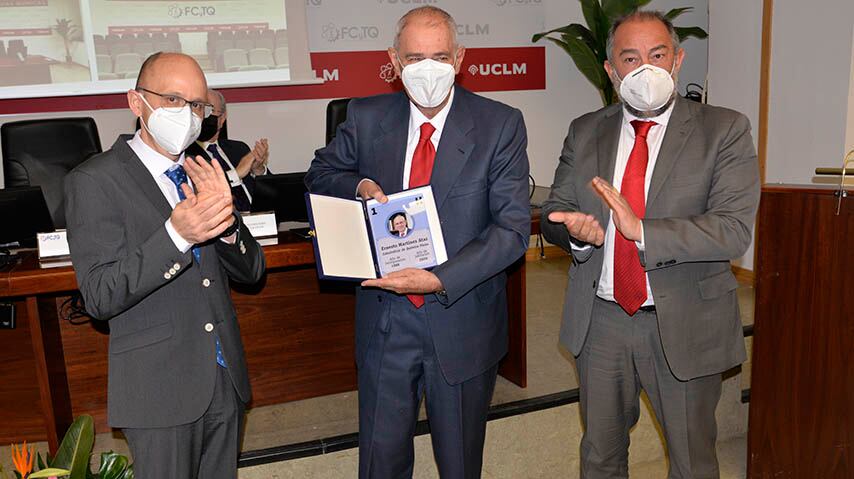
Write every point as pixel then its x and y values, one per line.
pixel 53 249
pixel 356 240
pixel 53 245
pixel 261 225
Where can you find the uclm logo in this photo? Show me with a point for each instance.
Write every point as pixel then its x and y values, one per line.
pixel 499 69
pixel 328 75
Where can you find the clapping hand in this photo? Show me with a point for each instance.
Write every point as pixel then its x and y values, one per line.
pixel 625 219
pixel 583 227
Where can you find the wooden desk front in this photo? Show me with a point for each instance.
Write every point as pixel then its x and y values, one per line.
pixel 297 333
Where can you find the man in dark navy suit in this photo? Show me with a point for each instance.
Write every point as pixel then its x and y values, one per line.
pixel 438 333
pixel 240 163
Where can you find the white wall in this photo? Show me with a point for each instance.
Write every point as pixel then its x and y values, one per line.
pixel 296 128
pixel 735 53
pixel 810 80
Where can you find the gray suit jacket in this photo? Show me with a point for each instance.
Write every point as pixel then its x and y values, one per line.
pixel 162 365
pixel 700 211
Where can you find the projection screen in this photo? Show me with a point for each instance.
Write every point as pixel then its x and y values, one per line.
pixel 87 47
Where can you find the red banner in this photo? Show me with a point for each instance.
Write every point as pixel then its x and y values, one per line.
pixel 24 32
pixel 345 75
pixel 23 3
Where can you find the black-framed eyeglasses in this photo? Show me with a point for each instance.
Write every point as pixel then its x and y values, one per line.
pixel 175 103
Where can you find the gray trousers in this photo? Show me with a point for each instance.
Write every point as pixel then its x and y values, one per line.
pixel 205 449
pixel 621 355
pixel 399 369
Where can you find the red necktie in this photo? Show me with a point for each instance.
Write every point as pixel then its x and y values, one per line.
pixel 629 276
pixel 419 175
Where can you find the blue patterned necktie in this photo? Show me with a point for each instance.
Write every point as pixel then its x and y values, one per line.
pixel 178 176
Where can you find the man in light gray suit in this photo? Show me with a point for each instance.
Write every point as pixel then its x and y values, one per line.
pixel 154 255
pixel 651 301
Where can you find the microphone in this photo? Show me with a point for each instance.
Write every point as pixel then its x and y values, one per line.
pixel 842 172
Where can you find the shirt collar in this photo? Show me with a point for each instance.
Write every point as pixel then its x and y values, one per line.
pixel 206 144
pixel 661 119
pixel 156 163
pixel 416 118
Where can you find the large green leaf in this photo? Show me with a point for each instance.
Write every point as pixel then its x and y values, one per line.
pixel 596 20
pixel 685 32
pixel 50 472
pixel 573 29
pixel 112 466
pixel 586 61
pixel 73 453
pixel 617 8
pixel 672 14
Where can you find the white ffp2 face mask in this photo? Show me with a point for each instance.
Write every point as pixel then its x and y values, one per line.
pixel 428 82
pixel 647 87
pixel 172 130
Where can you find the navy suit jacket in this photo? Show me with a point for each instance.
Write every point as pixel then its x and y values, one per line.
pixel 480 182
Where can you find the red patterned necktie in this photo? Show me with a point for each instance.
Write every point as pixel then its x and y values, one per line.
pixel 419 175
pixel 629 276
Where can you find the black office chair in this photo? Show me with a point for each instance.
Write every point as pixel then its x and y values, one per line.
pixel 41 152
pixel 336 113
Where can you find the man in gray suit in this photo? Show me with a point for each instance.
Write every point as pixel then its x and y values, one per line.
pixel 154 254
pixel 651 301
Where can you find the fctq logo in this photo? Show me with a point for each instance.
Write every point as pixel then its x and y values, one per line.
pixel 332 33
pixel 505 3
pixel 472 29
pixel 499 69
pixel 176 11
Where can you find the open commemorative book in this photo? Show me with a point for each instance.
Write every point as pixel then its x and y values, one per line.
pixel 356 240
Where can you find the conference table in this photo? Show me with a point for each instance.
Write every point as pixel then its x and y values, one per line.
pixel 297 332
pixel 34 70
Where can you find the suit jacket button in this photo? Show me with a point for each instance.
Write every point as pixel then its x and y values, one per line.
pixel 166 275
pixel 206 282
pixel 208 327
pixel 172 271
pixel 176 266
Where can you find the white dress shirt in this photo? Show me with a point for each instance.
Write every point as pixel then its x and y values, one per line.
pixel 627 141
pixel 157 165
pixel 416 119
pixel 234 179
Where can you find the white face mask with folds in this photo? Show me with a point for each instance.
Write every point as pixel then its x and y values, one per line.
pixel 172 129
pixel 647 87
pixel 428 82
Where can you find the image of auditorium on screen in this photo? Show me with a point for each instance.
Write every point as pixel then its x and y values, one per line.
pixel 50 41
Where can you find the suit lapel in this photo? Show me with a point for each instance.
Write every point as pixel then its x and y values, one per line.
pixel 609 139
pixel 678 130
pixel 455 147
pixel 390 147
pixel 139 174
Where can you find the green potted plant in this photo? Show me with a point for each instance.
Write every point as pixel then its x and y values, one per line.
pixel 72 458
pixel 586 44
pixel 69 33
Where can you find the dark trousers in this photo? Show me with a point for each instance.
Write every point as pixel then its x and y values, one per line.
pixel 205 449
pixel 399 369
pixel 621 355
